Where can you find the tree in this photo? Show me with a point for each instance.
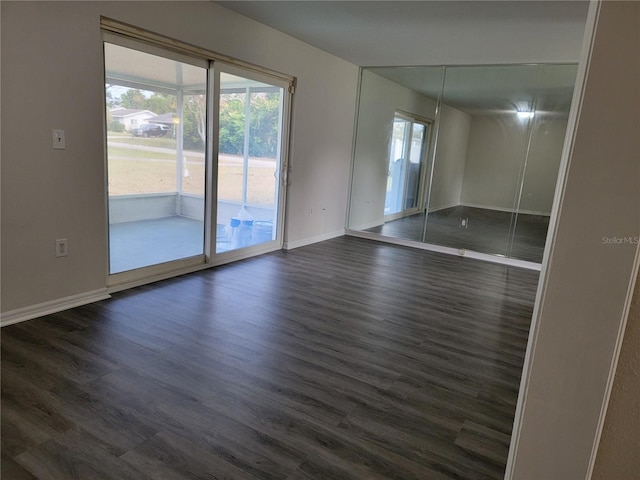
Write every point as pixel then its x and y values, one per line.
pixel 231 126
pixel 265 113
pixel 109 96
pixel 263 124
pixel 160 103
pixel 195 121
pixel 133 98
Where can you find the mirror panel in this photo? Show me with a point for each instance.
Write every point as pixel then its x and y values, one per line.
pixel 549 125
pixel 479 156
pixel 464 157
pixel 407 94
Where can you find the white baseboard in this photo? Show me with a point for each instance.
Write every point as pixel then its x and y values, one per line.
pixel 52 306
pixel 504 209
pixel 310 240
pixel 442 207
pixel 367 226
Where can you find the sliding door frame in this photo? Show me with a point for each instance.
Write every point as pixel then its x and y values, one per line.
pixel 282 154
pixel 149 42
pixel 422 175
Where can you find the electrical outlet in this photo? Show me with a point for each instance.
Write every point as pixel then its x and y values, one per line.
pixel 62 247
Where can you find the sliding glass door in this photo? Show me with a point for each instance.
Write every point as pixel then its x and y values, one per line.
pixel 195 160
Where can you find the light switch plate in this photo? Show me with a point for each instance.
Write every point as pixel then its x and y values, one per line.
pixel 58 140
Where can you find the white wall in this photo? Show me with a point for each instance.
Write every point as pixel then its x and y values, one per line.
pixel 451 156
pixel 52 78
pixel 585 281
pixel 497 145
pixel 543 162
pixel 618 451
pixel 379 100
pixel 497 148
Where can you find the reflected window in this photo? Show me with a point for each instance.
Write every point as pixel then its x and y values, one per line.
pixel 489 181
pixel 406 155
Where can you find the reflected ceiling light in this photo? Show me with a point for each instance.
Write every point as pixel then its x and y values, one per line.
pixel 525 115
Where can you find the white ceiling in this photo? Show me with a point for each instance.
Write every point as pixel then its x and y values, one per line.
pixel 128 67
pixel 418 33
pixel 400 33
pixel 492 89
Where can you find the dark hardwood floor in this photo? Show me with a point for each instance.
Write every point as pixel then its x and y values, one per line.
pixel 347 359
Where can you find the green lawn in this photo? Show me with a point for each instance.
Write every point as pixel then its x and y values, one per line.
pixel 150 142
pixel 129 177
pixel 133 171
pixel 133 153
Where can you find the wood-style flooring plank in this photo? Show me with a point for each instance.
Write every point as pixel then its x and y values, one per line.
pixel 10 469
pixel 77 455
pixel 175 458
pixel 346 359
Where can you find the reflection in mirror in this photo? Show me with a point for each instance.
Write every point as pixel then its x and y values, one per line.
pixel 406 164
pixel 542 163
pixel 479 156
pixel 385 103
pixel 485 176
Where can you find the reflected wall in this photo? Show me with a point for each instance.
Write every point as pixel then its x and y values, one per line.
pixel 491 158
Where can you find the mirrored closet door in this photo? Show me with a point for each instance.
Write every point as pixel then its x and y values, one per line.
pixel 492 143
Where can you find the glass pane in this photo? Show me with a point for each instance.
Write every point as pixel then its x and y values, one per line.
pixel 248 162
pixel 397 166
pixel 553 101
pixel 194 113
pixel 264 131
pixel 231 134
pixel 481 148
pixel 155 158
pixel 403 94
pixel 415 166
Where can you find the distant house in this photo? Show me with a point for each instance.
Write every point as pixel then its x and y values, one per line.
pixel 131 118
pixel 168 119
